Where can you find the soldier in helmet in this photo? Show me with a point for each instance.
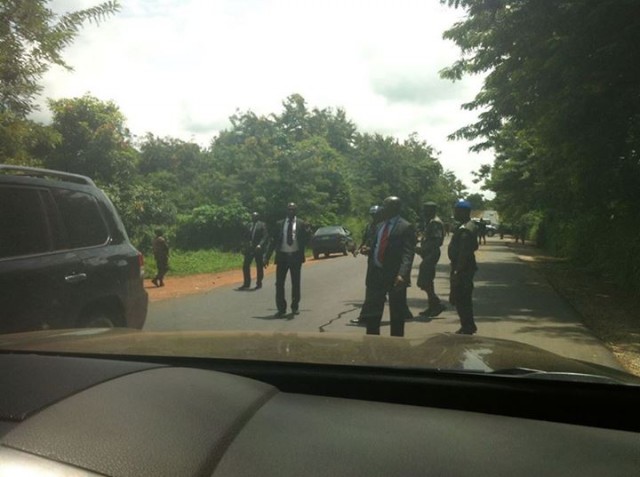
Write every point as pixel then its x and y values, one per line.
pixel 431 238
pixel 161 255
pixel 461 251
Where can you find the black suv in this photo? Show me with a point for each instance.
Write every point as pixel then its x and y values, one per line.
pixel 65 258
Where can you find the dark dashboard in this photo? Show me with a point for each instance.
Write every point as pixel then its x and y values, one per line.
pixel 75 415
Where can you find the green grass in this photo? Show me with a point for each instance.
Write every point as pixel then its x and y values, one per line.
pixel 183 262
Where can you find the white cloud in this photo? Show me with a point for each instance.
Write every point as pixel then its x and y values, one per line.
pixel 181 68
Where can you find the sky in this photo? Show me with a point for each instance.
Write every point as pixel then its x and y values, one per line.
pixel 181 68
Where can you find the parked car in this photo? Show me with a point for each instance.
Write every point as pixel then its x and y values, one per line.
pixel 332 239
pixel 65 258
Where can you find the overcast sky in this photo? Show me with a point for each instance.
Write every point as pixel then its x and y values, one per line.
pixel 181 67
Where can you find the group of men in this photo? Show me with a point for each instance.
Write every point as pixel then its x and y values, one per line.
pixel 291 237
pixel 389 242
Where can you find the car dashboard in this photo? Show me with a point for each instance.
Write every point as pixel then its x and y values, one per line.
pixel 80 415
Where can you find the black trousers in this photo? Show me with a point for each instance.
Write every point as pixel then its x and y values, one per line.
pixel 162 263
pixel 246 267
pixel 461 297
pixel 375 298
pixel 288 263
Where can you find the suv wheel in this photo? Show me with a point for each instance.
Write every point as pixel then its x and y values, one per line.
pixel 99 319
pixel 316 255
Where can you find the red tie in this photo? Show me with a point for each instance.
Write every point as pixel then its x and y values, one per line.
pixel 383 242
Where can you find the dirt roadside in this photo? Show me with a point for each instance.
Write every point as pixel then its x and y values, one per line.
pixel 610 313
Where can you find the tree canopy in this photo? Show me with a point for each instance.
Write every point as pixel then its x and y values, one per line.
pixel 560 107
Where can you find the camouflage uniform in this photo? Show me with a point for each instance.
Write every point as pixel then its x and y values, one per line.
pixel 432 238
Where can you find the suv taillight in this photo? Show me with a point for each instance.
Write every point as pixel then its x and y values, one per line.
pixel 141 264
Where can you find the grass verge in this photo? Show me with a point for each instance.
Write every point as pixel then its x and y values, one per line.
pixel 183 262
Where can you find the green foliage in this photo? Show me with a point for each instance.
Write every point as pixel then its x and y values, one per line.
pixel 24 142
pixel 32 38
pixel 94 140
pixel 210 226
pixel 142 208
pixel 560 108
pixel 183 262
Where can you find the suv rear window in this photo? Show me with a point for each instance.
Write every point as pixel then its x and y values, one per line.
pixel 23 229
pixel 81 217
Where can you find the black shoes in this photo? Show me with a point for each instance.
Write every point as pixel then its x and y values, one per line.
pixel 295 311
pixel 258 286
pixel 357 321
pixel 432 312
pixel 243 287
pixel 280 314
pixel 466 331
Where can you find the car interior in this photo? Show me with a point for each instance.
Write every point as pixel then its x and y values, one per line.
pixel 134 416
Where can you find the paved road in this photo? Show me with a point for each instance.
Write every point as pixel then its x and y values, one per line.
pixel 512 301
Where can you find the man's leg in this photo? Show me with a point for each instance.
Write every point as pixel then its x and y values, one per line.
pixel 397 310
pixel 260 269
pixel 464 304
pixel 246 270
pixel 375 297
pixel 281 274
pixel 295 267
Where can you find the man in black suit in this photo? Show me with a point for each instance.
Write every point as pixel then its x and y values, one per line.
pixel 389 270
pixel 255 244
pixel 291 237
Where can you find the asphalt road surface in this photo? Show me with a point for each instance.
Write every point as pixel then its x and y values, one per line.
pixel 511 301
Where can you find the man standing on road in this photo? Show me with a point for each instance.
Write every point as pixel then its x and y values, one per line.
pixel 368 237
pixel 255 243
pixel 462 249
pixel 161 256
pixel 432 236
pixel 482 232
pixel 291 238
pixel 375 212
pixel 389 270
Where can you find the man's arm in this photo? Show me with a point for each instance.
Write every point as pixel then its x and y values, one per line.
pixel 265 236
pixel 408 252
pixel 273 243
pixel 466 250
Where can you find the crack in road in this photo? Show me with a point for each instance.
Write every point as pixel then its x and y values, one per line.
pixel 340 315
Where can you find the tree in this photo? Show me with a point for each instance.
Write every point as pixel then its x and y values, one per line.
pixel 94 140
pixel 32 38
pixel 561 107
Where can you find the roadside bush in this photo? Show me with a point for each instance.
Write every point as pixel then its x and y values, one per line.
pixel 212 226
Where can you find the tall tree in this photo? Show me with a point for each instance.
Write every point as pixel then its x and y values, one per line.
pixel 561 107
pixel 32 38
pixel 94 140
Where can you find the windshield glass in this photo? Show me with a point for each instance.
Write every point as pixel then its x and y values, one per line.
pixel 329 231
pixel 483 157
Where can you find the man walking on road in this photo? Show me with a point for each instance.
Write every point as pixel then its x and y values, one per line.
pixel 462 249
pixel 255 242
pixel 432 236
pixel 389 270
pixel 291 238
pixel 161 255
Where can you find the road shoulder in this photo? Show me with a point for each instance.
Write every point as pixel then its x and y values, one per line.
pixel 608 312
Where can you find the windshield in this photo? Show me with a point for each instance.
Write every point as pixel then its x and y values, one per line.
pixel 483 157
pixel 329 231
